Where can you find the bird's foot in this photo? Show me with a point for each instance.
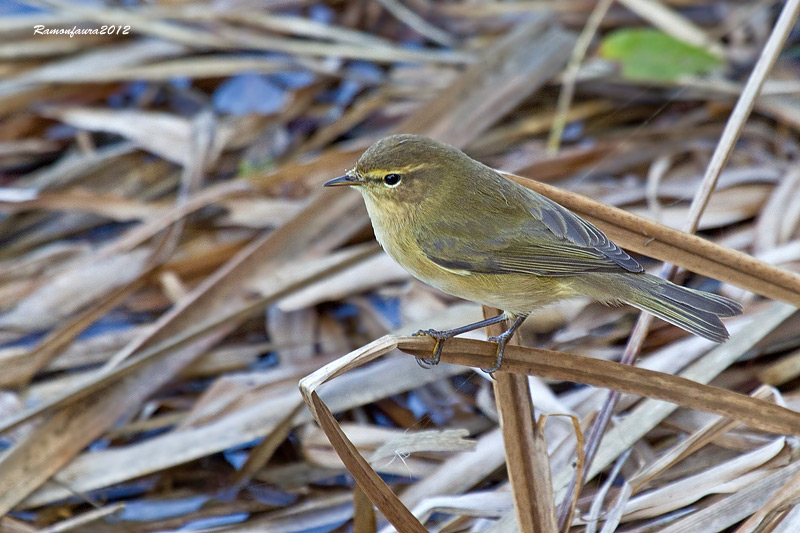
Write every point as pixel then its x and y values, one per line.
pixel 440 337
pixel 501 341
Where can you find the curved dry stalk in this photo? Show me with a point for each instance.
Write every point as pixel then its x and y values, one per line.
pixel 548 364
pixel 565 366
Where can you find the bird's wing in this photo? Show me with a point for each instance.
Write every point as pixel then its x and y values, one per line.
pixel 568 226
pixel 552 241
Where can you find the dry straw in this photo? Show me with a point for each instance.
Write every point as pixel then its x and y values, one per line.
pixel 146 228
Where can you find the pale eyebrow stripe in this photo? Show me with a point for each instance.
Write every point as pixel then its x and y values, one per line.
pixel 398 170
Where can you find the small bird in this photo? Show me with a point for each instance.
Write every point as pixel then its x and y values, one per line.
pixel 463 228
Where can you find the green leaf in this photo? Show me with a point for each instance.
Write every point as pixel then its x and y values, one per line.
pixel 653 55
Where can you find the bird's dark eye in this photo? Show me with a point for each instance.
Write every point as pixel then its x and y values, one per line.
pixel 391 179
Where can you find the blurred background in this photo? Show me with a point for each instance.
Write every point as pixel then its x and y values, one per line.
pixel 170 267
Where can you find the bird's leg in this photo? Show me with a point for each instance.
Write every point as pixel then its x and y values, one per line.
pixel 443 335
pixel 502 340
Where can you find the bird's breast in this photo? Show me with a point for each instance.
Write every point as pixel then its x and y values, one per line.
pixel 395 231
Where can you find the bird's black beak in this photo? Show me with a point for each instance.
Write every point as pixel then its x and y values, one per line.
pixel 347 179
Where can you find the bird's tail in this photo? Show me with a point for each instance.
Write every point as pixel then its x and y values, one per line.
pixel 695 311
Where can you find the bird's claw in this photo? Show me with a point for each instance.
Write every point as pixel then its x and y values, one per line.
pixel 439 337
pixel 501 341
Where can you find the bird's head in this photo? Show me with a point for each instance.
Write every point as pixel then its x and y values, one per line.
pixel 406 170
